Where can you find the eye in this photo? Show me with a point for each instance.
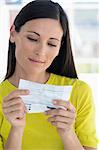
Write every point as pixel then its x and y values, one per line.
pixel 32 39
pixel 53 45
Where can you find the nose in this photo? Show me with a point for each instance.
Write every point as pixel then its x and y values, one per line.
pixel 41 49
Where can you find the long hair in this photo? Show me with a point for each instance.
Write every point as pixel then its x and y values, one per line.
pixel 63 64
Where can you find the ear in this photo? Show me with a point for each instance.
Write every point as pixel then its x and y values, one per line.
pixel 12 34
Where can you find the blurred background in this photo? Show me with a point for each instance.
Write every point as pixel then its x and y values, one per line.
pixel 84 28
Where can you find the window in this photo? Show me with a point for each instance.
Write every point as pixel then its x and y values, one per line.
pixel 12 1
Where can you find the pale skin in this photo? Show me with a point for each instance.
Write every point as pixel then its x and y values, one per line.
pixel 39 41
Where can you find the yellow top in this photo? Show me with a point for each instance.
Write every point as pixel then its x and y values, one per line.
pixel 39 134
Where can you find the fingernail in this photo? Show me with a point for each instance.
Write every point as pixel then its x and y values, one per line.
pixel 53 123
pixel 27 91
pixel 54 102
pixel 25 111
pixel 45 113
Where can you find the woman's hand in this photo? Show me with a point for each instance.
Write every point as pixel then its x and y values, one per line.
pixel 14 109
pixel 62 118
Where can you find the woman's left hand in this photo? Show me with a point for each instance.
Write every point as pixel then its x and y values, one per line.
pixel 62 118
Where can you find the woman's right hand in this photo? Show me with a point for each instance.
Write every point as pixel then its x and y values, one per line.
pixel 14 109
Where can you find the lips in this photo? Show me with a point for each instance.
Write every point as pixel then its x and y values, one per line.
pixel 35 61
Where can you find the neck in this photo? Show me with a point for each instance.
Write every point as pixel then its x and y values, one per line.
pixel 41 77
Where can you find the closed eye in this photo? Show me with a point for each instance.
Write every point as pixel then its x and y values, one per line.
pixel 31 39
pixel 52 45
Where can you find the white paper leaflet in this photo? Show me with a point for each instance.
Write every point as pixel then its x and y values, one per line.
pixel 41 95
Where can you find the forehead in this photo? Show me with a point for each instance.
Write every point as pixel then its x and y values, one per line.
pixel 44 26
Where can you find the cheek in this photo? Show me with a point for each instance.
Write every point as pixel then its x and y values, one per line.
pixel 22 49
pixel 19 56
pixel 54 53
pixel 21 53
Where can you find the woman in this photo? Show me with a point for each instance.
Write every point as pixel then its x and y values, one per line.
pixel 40 51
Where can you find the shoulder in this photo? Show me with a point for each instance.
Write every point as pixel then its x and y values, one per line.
pixel 82 96
pixel 76 83
pixel 82 88
pixel 61 80
pixel 5 88
pixel 2 89
pixel 82 91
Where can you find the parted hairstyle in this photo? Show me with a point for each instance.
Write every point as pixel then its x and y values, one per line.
pixel 63 64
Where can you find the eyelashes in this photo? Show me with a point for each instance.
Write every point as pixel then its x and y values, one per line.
pixel 36 40
pixel 52 45
pixel 31 39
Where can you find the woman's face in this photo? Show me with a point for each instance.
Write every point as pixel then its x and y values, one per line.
pixel 37 44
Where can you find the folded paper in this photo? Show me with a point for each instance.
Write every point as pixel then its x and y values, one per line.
pixel 41 95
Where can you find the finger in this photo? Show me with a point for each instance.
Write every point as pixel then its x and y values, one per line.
pixel 61 119
pixel 16 94
pixel 60 112
pixel 12 102
pixel 65 104
pixel 16 114
pixel 61 125
pixel 17 107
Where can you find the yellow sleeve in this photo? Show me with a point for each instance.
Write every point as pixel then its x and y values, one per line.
pixel 85 127
pixel 1 119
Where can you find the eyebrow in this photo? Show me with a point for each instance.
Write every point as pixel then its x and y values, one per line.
pixel 39 35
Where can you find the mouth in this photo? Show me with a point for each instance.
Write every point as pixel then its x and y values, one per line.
pixel 36 61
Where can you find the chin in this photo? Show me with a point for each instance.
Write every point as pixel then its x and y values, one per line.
pixel 33 70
